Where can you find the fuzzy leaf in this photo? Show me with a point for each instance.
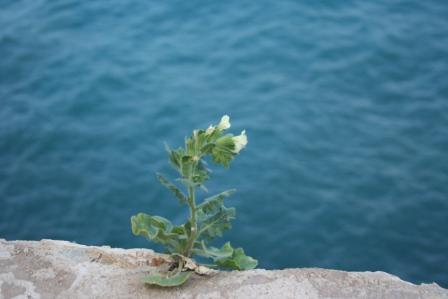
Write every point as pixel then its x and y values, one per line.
pixel 214 253
pixel 214 202
pixel 175 157
pixel 202 138
pixel 214 220
pixel 170 186
pixel 226 257
pixel 222 152
pixel 159 230
pixel 200 173
pixel 167 281
pixel 207 149
pixel 238 261
pixel 190 145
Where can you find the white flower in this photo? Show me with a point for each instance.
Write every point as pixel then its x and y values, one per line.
pixel 224 124
pixel 240 142
pixel 210 130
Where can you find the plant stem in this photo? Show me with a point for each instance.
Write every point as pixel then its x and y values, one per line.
pixel 192 199
pixel 194 225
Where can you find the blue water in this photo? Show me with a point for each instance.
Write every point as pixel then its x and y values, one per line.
pixel 345 104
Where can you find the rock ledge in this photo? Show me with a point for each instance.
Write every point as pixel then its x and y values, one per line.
pixel 60 269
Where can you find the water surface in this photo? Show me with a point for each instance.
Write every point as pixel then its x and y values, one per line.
pixel 345 105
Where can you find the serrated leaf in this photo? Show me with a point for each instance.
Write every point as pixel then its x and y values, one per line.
pixel 238 261
pixel 213 223
pixel 175 157
pixel 159 230
pixel 215 201
pixel 173 188
pixel 167 281
pixel 214 218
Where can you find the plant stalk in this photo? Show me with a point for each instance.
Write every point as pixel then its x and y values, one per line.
pixel 192 202
pixel 194 225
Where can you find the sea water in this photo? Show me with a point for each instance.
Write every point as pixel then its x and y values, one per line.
pixel 345 105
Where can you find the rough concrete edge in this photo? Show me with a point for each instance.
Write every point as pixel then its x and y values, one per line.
pixel 150 251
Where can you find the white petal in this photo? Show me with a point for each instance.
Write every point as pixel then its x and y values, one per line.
pixel 224 124
pixel 210 130
pixel 240 142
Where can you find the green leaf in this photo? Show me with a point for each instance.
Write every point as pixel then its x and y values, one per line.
pixel 170 186
pixel 175 157
pixel 226 257
pixel 238 261
pixel 223 153
pixel 213 217
pixel 167 281
pixel 150 226
pixel 215 201
pixel 215 221
pixel 190 145
pixel 214 136
pixel 200 173
pixel 202 138
pixel 159 230
pixel 207 149
pixel 214 253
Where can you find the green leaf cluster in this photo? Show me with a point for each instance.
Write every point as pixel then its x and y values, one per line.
pixel 208 219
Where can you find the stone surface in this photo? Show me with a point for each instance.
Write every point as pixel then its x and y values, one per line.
pixel 59 269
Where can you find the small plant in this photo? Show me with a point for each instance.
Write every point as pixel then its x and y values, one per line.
pixel 207 220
